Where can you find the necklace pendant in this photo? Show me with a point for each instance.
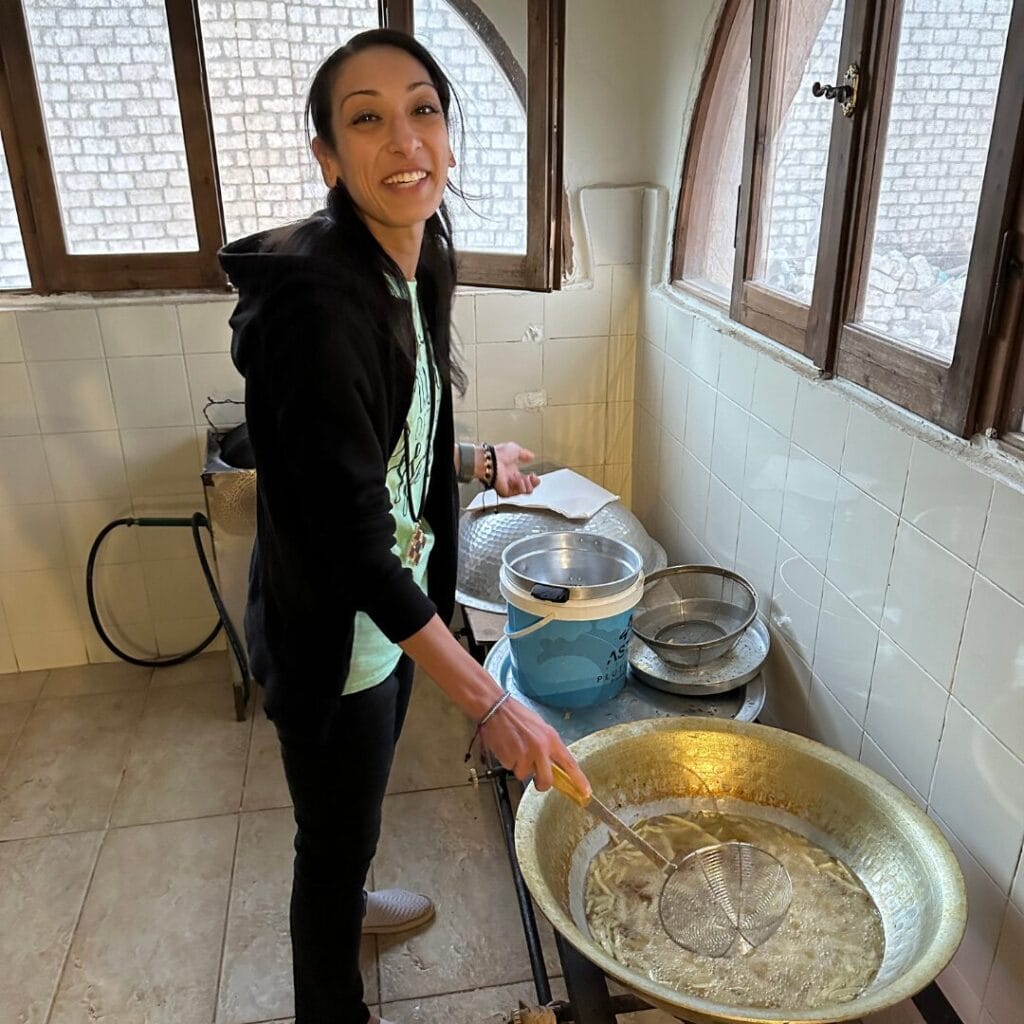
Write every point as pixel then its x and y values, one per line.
pixel 414 552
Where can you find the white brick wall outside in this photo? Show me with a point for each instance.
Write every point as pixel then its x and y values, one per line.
pixel 113 125
pixel 939 127
pixel 112 117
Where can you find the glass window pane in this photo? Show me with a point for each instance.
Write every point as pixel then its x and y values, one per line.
pixel 114 127
pixel 260 59
pixel 796 155
pixel 484 60
pixel 711 227
pixel 936 145
pixel 13 268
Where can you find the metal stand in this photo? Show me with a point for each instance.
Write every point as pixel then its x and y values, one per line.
pixel 589 999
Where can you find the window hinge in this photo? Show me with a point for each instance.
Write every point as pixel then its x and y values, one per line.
pixel 1010 264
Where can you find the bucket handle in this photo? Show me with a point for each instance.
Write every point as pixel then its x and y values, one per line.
pixel 531 628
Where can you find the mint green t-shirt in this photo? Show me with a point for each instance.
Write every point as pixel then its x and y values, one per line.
pixel 374 657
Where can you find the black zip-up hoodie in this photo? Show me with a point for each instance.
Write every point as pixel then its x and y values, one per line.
pixel 327 389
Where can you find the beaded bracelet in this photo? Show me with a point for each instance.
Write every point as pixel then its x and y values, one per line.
pixel 483 721
pixel 490 465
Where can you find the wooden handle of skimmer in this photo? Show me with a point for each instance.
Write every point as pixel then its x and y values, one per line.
pixel 565 786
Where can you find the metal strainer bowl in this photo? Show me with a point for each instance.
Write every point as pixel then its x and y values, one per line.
pixel 691 614
pixel 725 898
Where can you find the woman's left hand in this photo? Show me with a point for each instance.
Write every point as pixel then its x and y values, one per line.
pixel 509 478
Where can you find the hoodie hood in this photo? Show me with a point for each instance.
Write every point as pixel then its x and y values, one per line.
pixel 292 264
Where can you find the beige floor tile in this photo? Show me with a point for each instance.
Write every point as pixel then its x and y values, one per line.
pixel 147 947
pixel 433 742
pixel 447 843
pixel 42 886
pixel 79 680
pixel 19 686
pixel 479 1006
pixel 256 984
pixel 265 784
pixel 205 668
pixel 64 770
pixel 187 758
pixel 12 718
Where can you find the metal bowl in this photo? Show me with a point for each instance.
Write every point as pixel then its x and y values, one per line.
pixel 483 535
pixel 691 614
pixel 727 672
pixel 587 566
pixel 882 836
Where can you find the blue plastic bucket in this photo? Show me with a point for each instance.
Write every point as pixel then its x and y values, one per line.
pixel 577 652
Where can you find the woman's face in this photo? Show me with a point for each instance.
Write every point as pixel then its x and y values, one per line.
pixel 391 142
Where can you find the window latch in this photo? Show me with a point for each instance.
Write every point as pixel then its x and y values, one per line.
pixel 845 94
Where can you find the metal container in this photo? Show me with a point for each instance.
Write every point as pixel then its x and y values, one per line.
pixel 691 614
pixel 880 834
pixel 724 673
pixel 585 566
pixel 484 534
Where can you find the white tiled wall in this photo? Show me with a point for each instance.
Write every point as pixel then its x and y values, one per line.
pixel 101 417
pixel 891 568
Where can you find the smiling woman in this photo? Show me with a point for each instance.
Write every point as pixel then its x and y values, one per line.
pixel 388 146
pixel 342 333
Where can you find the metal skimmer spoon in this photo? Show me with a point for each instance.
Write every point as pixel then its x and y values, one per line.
pixel 717 901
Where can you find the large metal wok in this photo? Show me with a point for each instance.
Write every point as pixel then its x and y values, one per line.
pixel 886 840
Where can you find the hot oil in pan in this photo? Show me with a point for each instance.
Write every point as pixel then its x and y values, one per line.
pixel 827 950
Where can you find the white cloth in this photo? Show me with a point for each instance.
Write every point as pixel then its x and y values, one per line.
pixel 564 491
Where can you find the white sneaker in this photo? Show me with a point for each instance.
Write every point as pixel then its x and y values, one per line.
pixel 389 911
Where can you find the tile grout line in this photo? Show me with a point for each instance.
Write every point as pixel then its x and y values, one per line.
pixel 74 931
pixel 526 980
pixel 234 861
pixel 128 752
pixel 227 919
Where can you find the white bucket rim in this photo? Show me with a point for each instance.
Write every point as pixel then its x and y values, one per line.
pixel 573 610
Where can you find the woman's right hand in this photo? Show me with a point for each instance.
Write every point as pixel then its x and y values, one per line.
pixel 526 745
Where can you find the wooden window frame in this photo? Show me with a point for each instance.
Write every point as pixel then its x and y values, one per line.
pixel 540 267
pixel 983 388
pixel 53 269
pixel 945 394
pixel 713 70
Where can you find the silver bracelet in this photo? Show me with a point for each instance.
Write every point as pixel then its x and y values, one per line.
pixel 494 710
pixel 467 462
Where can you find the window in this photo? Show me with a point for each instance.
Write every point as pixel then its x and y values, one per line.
pixel 510 232
pixel 138 137
pixel 13 268
pixel 883 239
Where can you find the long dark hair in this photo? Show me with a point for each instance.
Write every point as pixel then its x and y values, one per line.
pixel 436 271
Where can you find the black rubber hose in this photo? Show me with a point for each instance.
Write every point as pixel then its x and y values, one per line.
pixel 197 520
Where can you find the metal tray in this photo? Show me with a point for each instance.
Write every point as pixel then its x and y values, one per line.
pixel 726 672
pixel 637 701
pixel 483 535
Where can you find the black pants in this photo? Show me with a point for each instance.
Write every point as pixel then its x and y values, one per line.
pixel 337 788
